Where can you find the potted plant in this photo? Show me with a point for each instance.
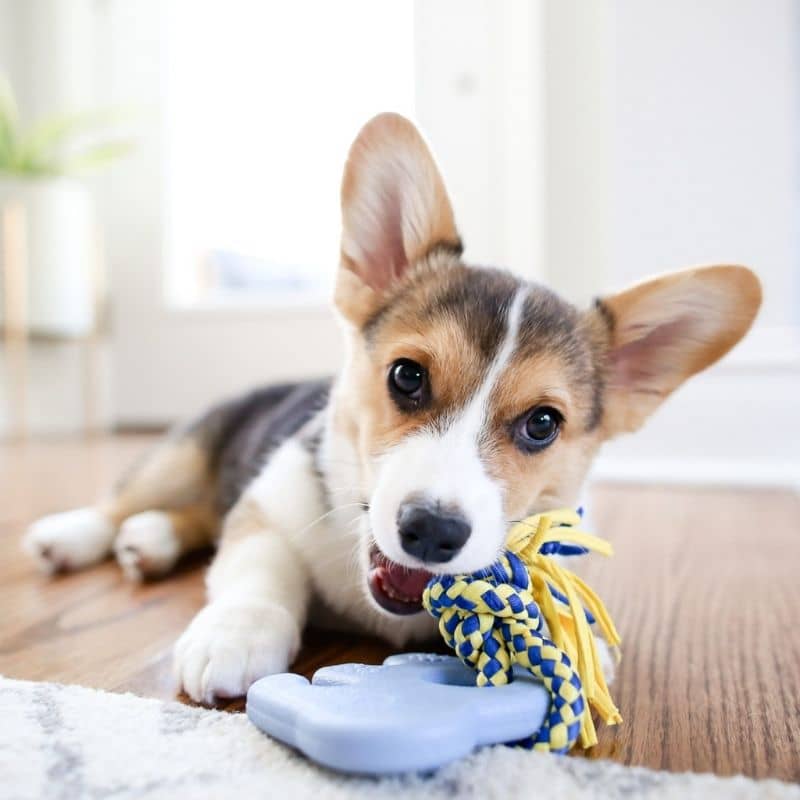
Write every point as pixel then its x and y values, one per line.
pixel 41 166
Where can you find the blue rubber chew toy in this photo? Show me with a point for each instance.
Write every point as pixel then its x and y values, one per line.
pixel 415 712
pixel 521 627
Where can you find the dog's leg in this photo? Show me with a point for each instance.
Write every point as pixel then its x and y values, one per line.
pixel 258 585
pixel 258 593
pixel 150 543
pixel 175 475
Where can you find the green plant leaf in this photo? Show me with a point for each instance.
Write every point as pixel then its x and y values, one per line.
pixel 46 139
pixel 49 146
pixel 95 157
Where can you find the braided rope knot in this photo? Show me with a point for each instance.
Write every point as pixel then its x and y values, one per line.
pixel 504 615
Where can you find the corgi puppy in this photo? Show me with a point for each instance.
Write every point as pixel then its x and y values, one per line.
pixel 469 398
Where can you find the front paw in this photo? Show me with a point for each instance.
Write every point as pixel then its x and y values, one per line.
pixel 228 646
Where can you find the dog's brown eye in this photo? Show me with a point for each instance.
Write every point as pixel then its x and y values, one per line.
pixel 407 383
pixel 538 428
pixel 541 424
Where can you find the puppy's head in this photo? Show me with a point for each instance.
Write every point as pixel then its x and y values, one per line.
pixel 473 397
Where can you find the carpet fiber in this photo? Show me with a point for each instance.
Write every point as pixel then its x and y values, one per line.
pixel 67 742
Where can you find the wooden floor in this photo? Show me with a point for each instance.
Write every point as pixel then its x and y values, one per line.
pixel 704 588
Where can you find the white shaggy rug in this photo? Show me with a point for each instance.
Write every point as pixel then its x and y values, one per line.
pixel 66 742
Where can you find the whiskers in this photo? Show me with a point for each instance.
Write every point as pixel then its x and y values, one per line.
pixel 358 504
pixel 345 556
pixel 347 487
pixel 324 462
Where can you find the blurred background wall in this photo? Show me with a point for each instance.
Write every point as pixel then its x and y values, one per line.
pixel 585 145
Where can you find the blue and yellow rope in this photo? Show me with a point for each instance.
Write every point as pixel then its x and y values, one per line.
pixel 496 617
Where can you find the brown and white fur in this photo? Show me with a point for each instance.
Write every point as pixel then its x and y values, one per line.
pixel 306 487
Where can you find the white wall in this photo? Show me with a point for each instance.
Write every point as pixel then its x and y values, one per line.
pixel 673 133
pixel 480 100
pixel 674 139
pixel 707 141
pixel 579 46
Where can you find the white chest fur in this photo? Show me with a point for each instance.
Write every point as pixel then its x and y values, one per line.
pixel 323 517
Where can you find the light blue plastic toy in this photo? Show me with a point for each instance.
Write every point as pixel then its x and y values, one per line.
pixel 415 712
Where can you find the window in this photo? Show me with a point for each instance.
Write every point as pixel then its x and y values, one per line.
pixel 262 102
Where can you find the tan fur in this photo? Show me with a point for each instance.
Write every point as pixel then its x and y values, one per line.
pixel 454 367
pixel 175 479
pixel 388 164
pixel 194 527
pixel 356 301
pixel 175 475
pixel 667 329
pixel 552 477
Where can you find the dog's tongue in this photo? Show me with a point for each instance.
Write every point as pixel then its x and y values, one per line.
pixel 407 582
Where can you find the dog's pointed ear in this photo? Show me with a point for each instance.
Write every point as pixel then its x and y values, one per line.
pixel 395 209
pixel 667 329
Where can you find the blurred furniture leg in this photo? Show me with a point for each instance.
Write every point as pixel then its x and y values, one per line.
pixel 90 357
pixel 91 345
pixel 14 259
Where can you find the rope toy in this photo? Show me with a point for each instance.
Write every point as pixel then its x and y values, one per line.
pixel 501 616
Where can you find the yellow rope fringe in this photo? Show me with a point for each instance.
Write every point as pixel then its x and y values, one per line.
pixel 569 628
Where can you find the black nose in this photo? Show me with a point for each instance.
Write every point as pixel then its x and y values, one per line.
pixel 431 536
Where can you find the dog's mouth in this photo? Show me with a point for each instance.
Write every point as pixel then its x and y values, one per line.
pixel 394 587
